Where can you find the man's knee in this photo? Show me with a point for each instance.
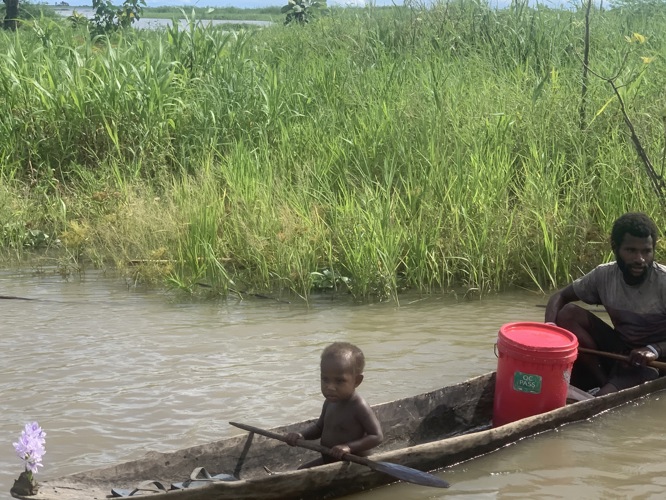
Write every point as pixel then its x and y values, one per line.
pixel 570 314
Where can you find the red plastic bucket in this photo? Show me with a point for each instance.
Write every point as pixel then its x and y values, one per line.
pixel 533 370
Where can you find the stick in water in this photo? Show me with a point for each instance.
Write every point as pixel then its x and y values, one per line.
pixel 398 471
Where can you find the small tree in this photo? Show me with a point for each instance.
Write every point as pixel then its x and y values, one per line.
pixel 109 18
pixel 302 11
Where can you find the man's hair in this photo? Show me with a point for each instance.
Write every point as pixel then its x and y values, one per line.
pixel 636 224
pixel 346 351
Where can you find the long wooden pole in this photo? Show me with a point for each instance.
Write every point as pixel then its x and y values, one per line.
pixel 620 357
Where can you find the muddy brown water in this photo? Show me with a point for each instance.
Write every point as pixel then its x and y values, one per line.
pixel 111 372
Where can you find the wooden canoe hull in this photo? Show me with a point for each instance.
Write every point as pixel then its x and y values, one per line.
pixel 426 432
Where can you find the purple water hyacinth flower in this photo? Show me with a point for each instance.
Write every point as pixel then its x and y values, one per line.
pixel 30 446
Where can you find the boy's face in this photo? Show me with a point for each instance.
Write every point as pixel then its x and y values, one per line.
pixel 338 381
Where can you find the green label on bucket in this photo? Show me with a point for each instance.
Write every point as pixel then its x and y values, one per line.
pixel 525 382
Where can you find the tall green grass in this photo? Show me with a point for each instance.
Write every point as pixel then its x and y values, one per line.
pixel 373 151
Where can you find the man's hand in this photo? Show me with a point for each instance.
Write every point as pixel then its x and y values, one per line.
pixel 641 356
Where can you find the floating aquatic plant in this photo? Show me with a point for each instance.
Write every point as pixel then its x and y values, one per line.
pixel 30 447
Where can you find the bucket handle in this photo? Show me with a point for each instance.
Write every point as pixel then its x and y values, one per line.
pixel 495 350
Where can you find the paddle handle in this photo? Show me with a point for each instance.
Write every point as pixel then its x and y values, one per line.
pixel 620 357
pixel 398 471
pixel 303 444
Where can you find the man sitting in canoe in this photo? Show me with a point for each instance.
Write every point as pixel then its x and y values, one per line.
pixel 347 424
pixel 633 291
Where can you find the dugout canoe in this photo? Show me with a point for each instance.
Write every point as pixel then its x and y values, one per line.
pixel 427 432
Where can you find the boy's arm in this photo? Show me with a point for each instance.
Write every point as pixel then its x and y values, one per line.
pixel 313 431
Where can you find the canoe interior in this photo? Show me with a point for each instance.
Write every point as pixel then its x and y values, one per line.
pixel 427 432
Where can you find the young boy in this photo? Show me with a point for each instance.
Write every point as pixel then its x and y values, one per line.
pixel 347 424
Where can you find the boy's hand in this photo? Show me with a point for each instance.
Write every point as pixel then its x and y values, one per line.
pixel 292 437
pixel 340 451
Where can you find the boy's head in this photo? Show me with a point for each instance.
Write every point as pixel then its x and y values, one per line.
pixel 348 353
pixel 342 367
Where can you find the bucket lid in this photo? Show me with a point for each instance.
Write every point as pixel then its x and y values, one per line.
pixel 536 336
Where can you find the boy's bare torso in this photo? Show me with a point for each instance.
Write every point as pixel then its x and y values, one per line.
pixel 344 421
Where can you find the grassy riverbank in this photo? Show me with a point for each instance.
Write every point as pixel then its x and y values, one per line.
pixel 377 149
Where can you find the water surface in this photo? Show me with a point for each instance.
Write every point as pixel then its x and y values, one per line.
pixel 111 372
pixel 154 23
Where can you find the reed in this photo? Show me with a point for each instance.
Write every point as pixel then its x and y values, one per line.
pixel 373 151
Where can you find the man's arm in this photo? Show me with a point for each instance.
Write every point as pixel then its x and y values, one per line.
pixel 660 347
pixel 557 301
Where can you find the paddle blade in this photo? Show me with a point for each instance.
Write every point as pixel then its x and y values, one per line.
pixel 410 475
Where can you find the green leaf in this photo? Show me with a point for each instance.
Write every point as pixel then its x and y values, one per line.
pixel 539 88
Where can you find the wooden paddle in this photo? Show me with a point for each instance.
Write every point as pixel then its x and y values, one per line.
pixel 396 470
pixel 620 357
